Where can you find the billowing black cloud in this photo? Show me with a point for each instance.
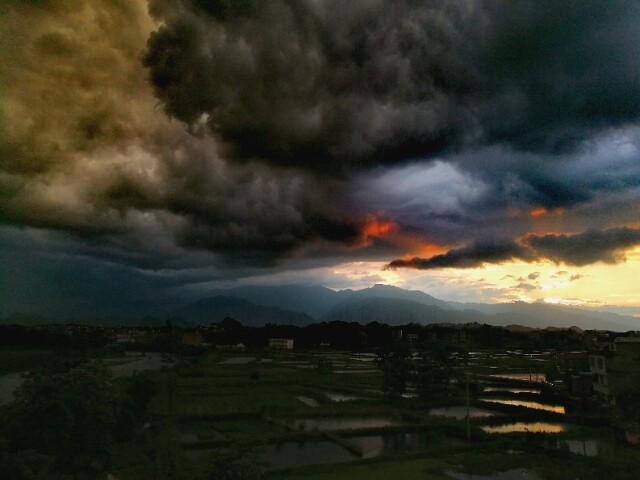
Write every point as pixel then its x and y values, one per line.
pixel 87 152
pixel 592 246
pixel 475 255
pixel 328 85
pixel 86 149
pixel 581 249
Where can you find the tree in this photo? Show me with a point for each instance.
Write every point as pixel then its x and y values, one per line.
pixel 141 390
pixel 435 370
pixel 234 462
pixel 65 411
pixel 395 362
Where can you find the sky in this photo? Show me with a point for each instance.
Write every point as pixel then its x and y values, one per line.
pixel 476 150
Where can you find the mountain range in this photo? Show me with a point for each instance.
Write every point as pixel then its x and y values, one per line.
pixel 304 304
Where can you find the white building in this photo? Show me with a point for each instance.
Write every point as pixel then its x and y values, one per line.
pixel 281 343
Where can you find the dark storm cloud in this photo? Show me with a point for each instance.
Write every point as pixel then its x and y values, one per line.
pixel 328 85
pixel 581 249
pixel 585 248
pixel 87 152
pixel 475 255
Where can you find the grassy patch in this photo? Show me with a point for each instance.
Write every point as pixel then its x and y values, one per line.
pixel 19 359
pixel 423 469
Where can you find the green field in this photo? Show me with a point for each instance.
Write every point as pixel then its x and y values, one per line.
pixel 20 359
pixel 212 406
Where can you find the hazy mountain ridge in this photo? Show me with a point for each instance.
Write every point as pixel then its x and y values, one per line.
pixel 396 311
pixel 304 304
pixel 394 306
pixel 214 309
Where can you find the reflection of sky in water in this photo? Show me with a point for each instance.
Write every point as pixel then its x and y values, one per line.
pixel 521 427
pixel 308 401
pixel 524 377
pixel 515 474
pixel 588 448
pixel 375 445
pixel 342 423
pixel 237 361
pixel 461 412
pixel 512 390
pixel 339 397
pixel 297 454
pixel 525 403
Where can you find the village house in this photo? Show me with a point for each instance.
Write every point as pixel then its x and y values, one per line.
pixel 281 343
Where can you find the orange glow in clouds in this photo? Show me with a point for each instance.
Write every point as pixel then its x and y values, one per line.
pixel 541 212
pixel 376 228
pixel 538 212
pixel 408 241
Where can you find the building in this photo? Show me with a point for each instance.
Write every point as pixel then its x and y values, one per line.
pixel 412 337
pixel 193 338
pixel 614 366
pixel 281 343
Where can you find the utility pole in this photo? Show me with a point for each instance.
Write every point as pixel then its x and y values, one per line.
pixel 466 376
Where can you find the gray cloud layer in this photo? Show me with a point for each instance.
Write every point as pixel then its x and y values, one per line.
pixel 332 85
pixel 282 109
pixel 85 150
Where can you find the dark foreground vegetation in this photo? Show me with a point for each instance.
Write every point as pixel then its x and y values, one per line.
pixel 347 402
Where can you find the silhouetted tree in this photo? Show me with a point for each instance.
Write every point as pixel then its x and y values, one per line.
pixel 395 362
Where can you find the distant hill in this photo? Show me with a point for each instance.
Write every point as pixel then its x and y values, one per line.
pixel 541 315
pixel 395 311
pixel 317 301
pixel 389 292
pixel 304 304
pixel 26 319
pixel 215 309
pixel 313 300
pixel 393 305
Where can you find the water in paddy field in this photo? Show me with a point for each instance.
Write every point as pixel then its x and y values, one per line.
pixel 238 361
pixel 297 454
pixel 373 446
pixel 460 412
pixel 588 448
pixel 340 397
pixel 308 401
pixel 522 377
pixel 337 423
pixel 523 427
pixel 512 390
pixel 527 404
pixel 514 474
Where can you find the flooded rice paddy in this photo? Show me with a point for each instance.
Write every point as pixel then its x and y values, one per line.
pixel 340 423
pixel 308 401
pixel 341 397
pixel 514 474
pixel 522 377
pixel 526 427
pixel 460 412
pixel 512 390
pixel 298 454
pixel 527 404
pixel 238 361
pixel 372 446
